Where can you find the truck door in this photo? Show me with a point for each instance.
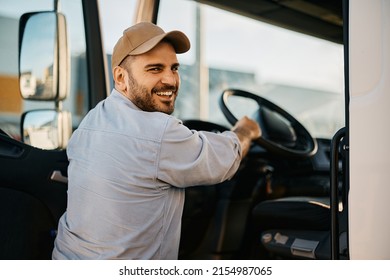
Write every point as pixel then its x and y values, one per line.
pixel 369 42
pixel 38 99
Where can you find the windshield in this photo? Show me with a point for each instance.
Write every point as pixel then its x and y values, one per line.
pixel 300 73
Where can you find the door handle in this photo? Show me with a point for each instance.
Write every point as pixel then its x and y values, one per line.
pixel 58 177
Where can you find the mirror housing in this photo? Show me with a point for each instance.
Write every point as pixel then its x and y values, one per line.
pixel 43 56
pixel 46 129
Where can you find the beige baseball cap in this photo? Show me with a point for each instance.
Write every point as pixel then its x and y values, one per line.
pixel 144 36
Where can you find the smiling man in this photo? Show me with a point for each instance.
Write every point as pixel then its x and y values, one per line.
pixel 130 160
pixel 156 69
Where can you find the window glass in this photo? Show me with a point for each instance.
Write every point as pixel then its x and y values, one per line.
pixel 115 16
pixel 77 102
pixel 300 73
pixel 11 104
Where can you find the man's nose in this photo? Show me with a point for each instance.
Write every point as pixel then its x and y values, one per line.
pixel 169 78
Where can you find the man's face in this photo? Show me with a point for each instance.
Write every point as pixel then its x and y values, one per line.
pixel 153 79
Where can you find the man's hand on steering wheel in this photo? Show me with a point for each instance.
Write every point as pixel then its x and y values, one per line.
pixel 247 130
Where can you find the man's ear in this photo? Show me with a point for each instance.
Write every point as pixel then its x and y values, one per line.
pixel 119 75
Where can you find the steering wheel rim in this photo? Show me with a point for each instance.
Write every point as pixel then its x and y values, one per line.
pixel 277 148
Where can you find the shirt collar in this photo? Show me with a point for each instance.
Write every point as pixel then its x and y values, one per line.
pixel 119 96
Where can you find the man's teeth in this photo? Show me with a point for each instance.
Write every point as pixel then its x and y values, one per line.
pixel 165 93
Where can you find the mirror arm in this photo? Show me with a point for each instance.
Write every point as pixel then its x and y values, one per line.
pixel 58 105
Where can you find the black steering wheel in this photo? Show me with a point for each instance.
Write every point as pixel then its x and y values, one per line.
pixel 282 134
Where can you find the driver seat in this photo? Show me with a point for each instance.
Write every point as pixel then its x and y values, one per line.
pixel 297 212
pixel 292 227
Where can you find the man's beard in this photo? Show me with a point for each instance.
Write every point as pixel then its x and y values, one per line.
pixel 143 98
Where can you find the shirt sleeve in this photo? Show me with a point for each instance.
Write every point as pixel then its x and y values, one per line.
pixel 190 158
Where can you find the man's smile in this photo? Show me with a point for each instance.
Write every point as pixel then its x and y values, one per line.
pixel 165 93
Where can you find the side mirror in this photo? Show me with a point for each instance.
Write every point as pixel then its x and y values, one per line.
pixel 46 129
pixel 43 56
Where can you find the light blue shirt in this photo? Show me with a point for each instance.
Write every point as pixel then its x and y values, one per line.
pixel 127 172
